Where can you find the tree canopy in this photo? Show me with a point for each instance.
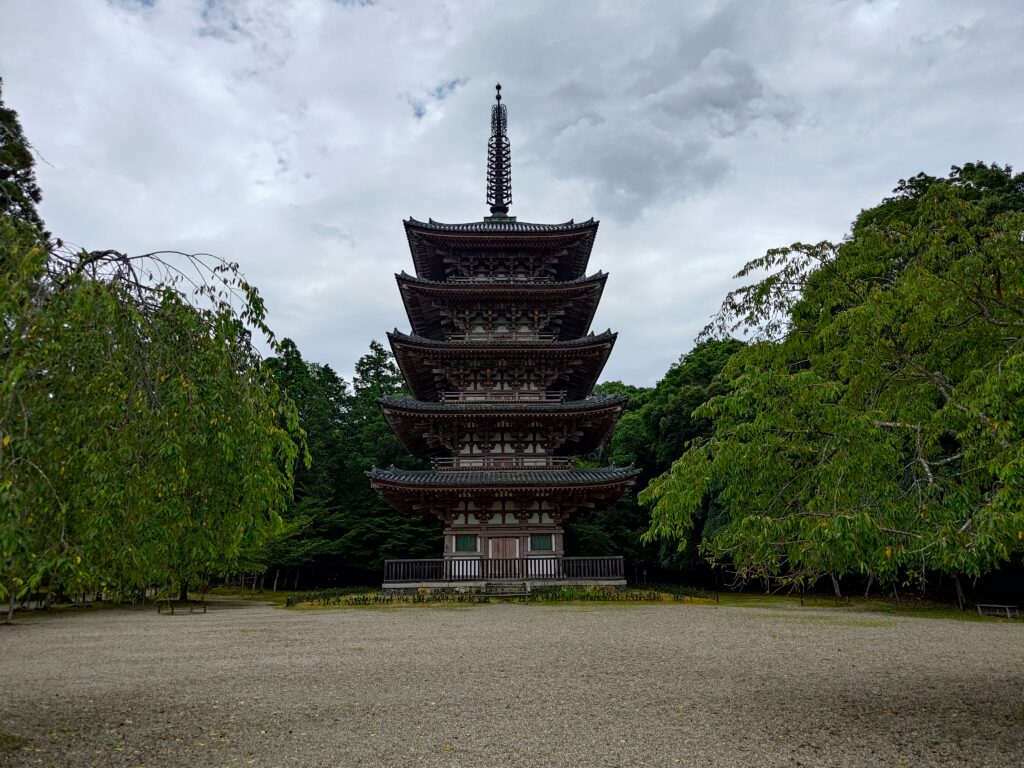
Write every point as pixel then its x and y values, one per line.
pixel 143 441
pixel 874 425
pixel 19 192
pixel 657 425
pixel 338 527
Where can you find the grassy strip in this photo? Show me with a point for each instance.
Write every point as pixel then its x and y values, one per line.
pixel 594 594
pixel 660 593
pixel 680 591
pixel 325 596
pixel 364 597
pixel 240 593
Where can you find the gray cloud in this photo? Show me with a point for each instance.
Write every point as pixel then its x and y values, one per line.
pixel 627 166
pixel 637 147
pixel 724 94
pixel 294 136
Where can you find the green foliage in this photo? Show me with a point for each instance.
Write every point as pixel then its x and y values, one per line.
pixel 322 401
pixel 629 438
pixel 323 596
pixel 875 425
pixel 360 596
pixel 668 417
pixel 684 591
pixel 338 527
pixel 637 396
pixel 343 530
pixel 593 595
pixel 373 531
pixel 654 430
pixel 19 193
pixel 143 441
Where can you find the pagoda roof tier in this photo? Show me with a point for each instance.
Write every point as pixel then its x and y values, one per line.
pixel 433 244
pixel 503 224
pixel 425 299
pixel 431 429
pixel 579 361
pixel 433 493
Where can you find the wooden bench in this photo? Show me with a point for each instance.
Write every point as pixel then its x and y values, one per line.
pixel 193 606
pixel 996 609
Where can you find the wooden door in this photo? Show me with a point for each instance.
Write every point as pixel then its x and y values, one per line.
pixel 504 552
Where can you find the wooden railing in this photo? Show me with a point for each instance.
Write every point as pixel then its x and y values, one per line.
pixel 458 463
pixel 497 569
pixel 503 336
pixel 502 396
pixel 414 570
pixel 485 279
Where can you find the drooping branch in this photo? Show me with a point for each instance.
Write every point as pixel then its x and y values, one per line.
pixel 208 283
pixel 763 308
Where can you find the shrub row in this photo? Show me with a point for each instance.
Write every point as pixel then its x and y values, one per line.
pixel 322 596
pixel 681 591
pixel 361 596
pixel 593 594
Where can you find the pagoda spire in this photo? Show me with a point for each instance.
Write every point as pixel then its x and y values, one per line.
pixel 499 160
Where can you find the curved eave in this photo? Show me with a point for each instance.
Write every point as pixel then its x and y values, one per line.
pixel 411 420
pixel 474 348
pixel 592 351
pixel 484 289
pixel 430 493
pixel 504 408
pixel 506 225
pixel 430 243
pixel 421 298
pixel 582 479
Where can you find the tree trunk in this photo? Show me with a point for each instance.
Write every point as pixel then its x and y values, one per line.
pixel 868 590
pixel 835 587
pixel 959 591
pixel 10 603
pixel 183 596
pixel 276 574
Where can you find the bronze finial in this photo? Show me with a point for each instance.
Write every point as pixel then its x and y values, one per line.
pixel 499 159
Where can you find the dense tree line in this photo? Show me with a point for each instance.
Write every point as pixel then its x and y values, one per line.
pixel 655 429
pixel 339 530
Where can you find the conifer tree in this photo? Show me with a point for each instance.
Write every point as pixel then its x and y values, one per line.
pixel 19 193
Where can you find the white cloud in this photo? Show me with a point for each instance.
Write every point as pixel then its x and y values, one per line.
pixel 293 137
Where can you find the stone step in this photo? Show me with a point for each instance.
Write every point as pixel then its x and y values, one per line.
pixel 505 588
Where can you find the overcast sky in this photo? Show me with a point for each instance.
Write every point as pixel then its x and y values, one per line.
pixel 294 137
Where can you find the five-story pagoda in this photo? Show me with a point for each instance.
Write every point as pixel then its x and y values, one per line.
pixel 500 363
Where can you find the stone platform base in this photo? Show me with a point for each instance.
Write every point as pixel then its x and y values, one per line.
pixel 493 587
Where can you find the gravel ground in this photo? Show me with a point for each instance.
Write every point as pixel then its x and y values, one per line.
pixel 511 685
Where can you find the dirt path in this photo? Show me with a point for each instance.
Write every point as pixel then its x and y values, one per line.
pixel 511 685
